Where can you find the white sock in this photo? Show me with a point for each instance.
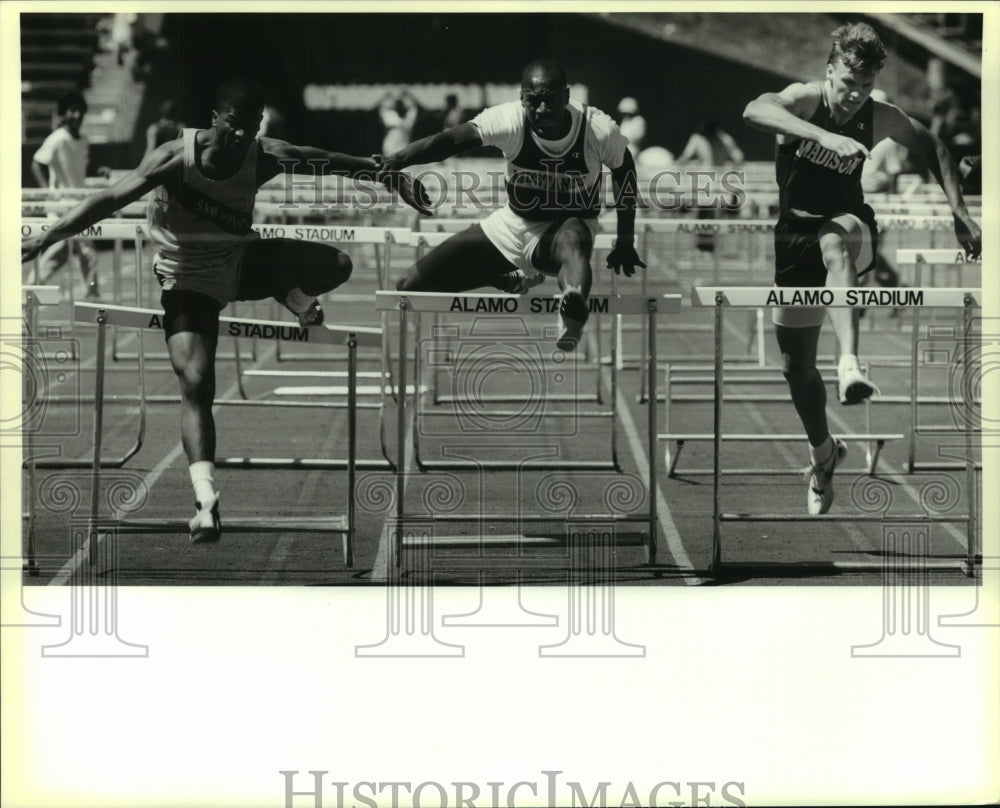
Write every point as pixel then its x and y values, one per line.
pixel 848 362
pixel 298 301
pixel 818 454
pixel 202 473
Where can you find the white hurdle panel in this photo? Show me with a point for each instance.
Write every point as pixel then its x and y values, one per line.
pixel 409 303
pixel 105 315
pixel 752 297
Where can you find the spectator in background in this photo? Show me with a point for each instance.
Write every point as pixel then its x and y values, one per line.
pixel 398 112
pixel 165 128
pixel 453 114
pixel 61 162
pixel 631 124
pixel 711 147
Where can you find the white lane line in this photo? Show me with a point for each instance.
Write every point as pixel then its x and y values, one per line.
pixel 663 514
pixel 83 554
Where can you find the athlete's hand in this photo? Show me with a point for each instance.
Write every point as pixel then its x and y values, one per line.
pixel 843 146
pixel 410 189
pixel 31 247
pixel 624 258
pixel 969 235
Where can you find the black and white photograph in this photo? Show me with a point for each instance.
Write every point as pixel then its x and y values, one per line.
pixel 617 380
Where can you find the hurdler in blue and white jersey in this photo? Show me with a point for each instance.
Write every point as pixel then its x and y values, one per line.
pixel 556 150
pixel 201 226
pixel 547 180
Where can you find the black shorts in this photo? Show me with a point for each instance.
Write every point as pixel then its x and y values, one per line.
pixel 798 260
pixel 190 311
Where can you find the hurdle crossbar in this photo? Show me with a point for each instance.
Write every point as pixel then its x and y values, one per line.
pixel 746 297
pixel 405 303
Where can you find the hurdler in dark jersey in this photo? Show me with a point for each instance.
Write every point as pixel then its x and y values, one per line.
pixel 815 181
pixel 542 187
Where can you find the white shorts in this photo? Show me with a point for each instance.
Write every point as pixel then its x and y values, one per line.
pixel 218 276
pixel 516 238
pixel 811 316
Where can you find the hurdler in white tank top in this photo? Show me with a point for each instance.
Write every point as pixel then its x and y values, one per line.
pixel 202 229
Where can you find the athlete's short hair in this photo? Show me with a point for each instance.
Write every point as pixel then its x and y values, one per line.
pixel 71 99
pixel 239 94
pixel 548 67
pixel 858 47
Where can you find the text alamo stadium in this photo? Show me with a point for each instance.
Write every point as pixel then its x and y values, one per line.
pixel 854 297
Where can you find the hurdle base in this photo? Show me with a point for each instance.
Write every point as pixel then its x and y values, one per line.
pixel 837 518
pixel 912 468
pixel 513 540
pixel 318 524
pixel 303 463
pixel 722 569
pixel 531 465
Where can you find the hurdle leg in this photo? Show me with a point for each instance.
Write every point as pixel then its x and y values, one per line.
pixel 31 325
pixel 717 426
pixel 974 558
pixel 651 422
pixel 397 535
pixel 644 324
pixel 95 474
pixel 615 348
pixel 912 449
pixel 352 445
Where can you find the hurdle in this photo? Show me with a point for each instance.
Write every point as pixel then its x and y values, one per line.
pixel 123 229
pixel 920 259
pixel 751 297
pixel 344 525
pixel 407 303
pixel 675 441
pixel 34 297
pixel 140 399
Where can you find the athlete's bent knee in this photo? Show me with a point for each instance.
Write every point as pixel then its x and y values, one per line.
pixel 343 266
pixel 796 370
pixel 407 282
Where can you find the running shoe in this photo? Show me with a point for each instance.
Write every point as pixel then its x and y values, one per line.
pixel 311 316
pixel 820 475
pixel 855 386
pixel 206 526
pixel 517 281
pixel 572 316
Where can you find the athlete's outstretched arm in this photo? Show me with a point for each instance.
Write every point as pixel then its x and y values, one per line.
pixel 434 148
pixel 625 188
pixel 890 121
pixel 787 113
pixel 279 157
pixel 159 167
